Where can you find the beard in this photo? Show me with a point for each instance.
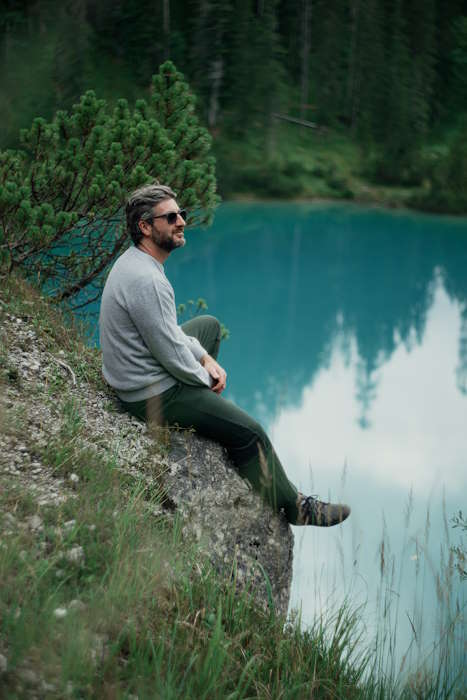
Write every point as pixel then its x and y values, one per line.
pixel 168 241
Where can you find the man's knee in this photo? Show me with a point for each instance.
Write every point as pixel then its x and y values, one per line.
pixel 258 431
pixel 211 323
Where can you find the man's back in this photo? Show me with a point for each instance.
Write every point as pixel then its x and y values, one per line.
pixel 144 351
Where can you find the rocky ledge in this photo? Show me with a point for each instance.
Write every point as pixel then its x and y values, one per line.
pixel 218 510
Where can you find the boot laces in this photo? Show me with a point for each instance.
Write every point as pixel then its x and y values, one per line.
pixel 313 505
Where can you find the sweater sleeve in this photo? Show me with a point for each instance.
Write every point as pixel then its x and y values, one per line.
pixel 196 347
pixel 154 315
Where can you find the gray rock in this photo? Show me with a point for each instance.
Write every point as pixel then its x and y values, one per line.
pixel 3 664
pixel 34 522
pixel 75 554
pixel 28 676
pixel 48 687
pixel 9 519
pixel 228 519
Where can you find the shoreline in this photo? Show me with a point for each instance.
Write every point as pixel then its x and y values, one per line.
pixel 250 198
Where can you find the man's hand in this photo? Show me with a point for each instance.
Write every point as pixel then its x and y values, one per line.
pixel 216 372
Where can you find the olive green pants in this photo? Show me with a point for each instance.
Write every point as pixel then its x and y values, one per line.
pixel 219 419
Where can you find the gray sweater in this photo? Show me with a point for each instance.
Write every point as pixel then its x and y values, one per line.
pixel 144 351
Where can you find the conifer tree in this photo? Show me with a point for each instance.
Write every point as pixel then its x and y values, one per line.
pixel 399 134
pixel 240 87
pixel 256 75
pixel 193 173
pixel 366 106
pixel 421 22
pixel 70 52
pixel 329 64
pixel 61 196
pixel 459 63
pixel 449 182
pixel 208 52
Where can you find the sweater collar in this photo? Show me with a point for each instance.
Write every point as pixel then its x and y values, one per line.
pixel 145 256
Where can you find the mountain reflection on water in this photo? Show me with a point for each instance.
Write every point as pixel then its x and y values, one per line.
pixel 349 343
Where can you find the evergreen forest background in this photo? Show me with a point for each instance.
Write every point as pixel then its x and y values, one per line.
pixel 304 98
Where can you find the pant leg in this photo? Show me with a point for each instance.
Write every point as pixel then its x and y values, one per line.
pixel 207 330
pixel 220 420
pixel 245 440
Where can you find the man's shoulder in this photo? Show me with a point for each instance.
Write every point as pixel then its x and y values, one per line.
pixel 134 264
pixel 136 271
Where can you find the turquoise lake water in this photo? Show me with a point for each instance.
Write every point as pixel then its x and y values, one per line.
pixel 349 343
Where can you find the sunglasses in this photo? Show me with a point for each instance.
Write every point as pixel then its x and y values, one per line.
pixel 171 217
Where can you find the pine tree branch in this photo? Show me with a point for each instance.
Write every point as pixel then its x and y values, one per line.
pixel 77 287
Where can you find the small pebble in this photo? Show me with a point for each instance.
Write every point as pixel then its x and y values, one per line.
pixel 28 676
pixel 3 664
pixel 74 478
pixel 75 554
pixel 48 687
pixel 34 522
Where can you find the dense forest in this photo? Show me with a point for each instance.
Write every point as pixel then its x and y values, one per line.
pixel 381 84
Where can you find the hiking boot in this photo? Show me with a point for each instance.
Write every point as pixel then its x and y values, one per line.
pixel 311 511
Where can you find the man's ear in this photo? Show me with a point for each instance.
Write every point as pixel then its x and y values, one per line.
pixel 144 227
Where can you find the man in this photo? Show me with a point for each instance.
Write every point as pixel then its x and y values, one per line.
pixel 169 374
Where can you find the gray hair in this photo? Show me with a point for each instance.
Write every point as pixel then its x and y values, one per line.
pixel 140 206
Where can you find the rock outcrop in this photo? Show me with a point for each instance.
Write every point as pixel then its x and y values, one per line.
pixel 228 519
pixel 218 509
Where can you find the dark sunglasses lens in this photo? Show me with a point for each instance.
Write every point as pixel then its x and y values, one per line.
pixel 172 217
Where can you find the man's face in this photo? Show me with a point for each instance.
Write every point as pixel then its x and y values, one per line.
pixel 167 236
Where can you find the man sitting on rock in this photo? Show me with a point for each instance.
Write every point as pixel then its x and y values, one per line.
pixel 168 373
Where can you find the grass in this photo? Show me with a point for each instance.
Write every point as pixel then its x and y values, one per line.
pixel 101 598
pixel 434 669
pixel 298 163
pixel 153 618
pixel 303 164
pixel 61 334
